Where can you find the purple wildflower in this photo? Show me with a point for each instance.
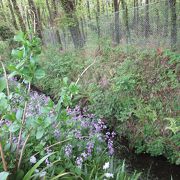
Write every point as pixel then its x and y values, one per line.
pixel 68 150
pixel 110 147
pixel 79 161
pixel 84 155
pixel 78 134
pixel 47 162
pixel 90 146
pixel 57 134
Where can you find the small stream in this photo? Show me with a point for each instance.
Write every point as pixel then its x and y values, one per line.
pixel 152 168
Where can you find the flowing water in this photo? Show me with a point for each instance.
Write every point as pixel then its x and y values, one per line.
pixel 152 168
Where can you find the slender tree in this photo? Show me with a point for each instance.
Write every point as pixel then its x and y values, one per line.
pixel 97 18
pixel 117 21
pixel 49 11
pixel 88 10
pixel 69 8
pixel 136 16
pixel 172 4
pixel 54 17
pixel 20 18
pixel 126 20
pixel 37 18
pixel 146 20
pixel 166 17
pixel 157 20
pixel 12 14
pixel 2 11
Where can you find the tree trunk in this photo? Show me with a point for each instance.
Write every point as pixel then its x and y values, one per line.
pixel 126 21
pixel 12 14
pixel 97 18
pixel 88 10
pixel 69 8
pixel 103 7
pixel 18 13
pixel 54 17
pixel 172 4
pixel 3 14
pixel 82 29
pixel 107 13
pixel 37 18
pixel 146 23
pixel 49 11
pixel 166 16
pixel 157 21
pixel 117 21
pixel 137 17
pixel 134 16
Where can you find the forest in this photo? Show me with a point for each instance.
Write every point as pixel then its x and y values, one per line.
pixel 90 89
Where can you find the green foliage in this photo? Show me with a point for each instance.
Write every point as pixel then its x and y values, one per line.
pixel 173 125
pixel 31 171
pixel 58 65
pixel 2 84
pixel 39 127
pixel 5 32
pixel 141 101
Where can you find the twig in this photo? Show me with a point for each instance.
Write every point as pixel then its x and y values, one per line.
pixel 8 92
pixel 3 158
pixel 23 123
pixel 85 71
pixel 23 148
pixel 6 78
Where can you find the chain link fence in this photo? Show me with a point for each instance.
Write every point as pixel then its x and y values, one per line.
pixel 148 26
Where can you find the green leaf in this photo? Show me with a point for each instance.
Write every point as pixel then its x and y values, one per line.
pixel 2 84
pixel 30 172
pixel 39 74
pixel 17 53
pixel 73 88
pixel 33 60
pixel 61 175
pixel 65 80
pixel 4 175
pixel 14 127
pixel 19 114
pixel 19 37
pixel 39 133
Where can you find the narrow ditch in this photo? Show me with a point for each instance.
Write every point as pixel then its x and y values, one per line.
pixel 152 168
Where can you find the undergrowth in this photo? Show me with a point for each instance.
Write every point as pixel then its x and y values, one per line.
pixel 134 90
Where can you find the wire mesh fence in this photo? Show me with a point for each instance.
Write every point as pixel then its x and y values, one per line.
pixel 148 26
